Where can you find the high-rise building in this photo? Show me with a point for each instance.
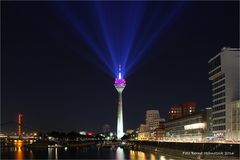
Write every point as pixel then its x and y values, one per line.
pixel 224 75
pixel 153 119
pixel 184 109
pixel 120 84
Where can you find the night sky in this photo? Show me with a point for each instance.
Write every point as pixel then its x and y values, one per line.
pixel 58 87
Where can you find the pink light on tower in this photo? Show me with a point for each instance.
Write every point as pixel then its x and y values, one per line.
pixel 119 79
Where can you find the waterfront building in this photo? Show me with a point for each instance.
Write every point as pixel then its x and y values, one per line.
pixel 153 119
pixel 209 122
pixel 134 136
pixel 184 109
pixel 234 134
pixel 224 76
pixel 148 131
pixel 160 131
pixel 143 133
pixel 193 128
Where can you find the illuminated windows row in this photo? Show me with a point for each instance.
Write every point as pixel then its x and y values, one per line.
pixel 215 72
pixel 221 107
pixel 214 63
pixel 219 83
pixel 219 89
pixel 217 128
pixel 219 95
pixel 218 78
pixel 219 101
pixel 220 114
pixel 219 121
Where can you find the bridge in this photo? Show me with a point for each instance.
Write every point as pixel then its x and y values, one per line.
pixel 19 139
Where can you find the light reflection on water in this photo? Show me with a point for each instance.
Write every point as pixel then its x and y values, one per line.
pixel 52 155
pixel 120 154
pixel 132 155
pixel 162 158
pixel 21 153
pixel 18 148
pixel 137 155
pixel 152 156
pixel 56 153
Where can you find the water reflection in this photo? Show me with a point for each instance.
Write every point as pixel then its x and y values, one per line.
pixel 120 154
pixel 137 155
pixel 133 155
pixel 31 154
pixel 162 158
pixel 152 156
pixel 19 153
pixel 56 153
pixel 52 155
pixel 146 155
pixel 18 148
pixel 141 155
pixel 49 153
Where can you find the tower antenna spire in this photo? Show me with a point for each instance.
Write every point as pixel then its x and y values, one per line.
pixel 119 71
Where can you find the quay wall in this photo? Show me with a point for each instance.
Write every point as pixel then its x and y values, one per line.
pixel 190 149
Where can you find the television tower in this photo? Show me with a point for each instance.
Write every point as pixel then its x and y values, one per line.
pixel 120 84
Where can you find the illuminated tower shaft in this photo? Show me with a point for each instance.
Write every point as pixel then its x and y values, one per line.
pixel 120 84
pixel 120 117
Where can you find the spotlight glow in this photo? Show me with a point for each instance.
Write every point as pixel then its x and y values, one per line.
pixel 120 32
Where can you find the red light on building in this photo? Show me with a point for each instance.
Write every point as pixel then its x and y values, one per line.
pixel 188 108
pixel 89 133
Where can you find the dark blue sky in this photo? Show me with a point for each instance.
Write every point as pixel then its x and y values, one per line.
pixel 57 87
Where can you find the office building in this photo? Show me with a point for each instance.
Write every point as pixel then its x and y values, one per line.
pixel 160 131
pixel 190 128
pixel 153 119
pixel 234 134
pixel 143 133
pixel 224 76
